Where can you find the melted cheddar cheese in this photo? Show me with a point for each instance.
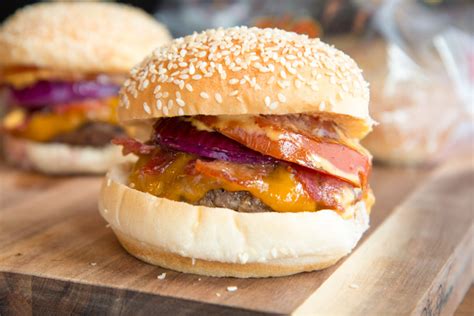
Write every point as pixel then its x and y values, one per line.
pixel 279 189
pixel 44 125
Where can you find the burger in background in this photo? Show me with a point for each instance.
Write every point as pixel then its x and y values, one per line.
pixel 61 66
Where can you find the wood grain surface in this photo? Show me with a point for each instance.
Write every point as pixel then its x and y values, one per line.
pixel 57 254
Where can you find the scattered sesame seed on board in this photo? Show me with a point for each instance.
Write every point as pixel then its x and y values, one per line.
pixel 161 276
pixel 232 288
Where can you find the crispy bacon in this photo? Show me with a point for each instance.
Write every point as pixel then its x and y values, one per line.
pixel 242 174
pixel 133 146
pixel 328 191
pixel 289 140
pixel 159 163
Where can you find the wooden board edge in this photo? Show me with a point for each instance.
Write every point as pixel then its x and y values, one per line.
pixel 452 283
pixel 22 294
pixel 443 295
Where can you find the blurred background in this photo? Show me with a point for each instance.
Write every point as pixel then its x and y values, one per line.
pixel 418 56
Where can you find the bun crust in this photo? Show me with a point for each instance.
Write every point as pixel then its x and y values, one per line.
pixel 246 71
pixel 79 37
pixel 222 242
pixel 56 158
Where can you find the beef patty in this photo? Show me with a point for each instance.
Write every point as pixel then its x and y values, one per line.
pixel 240 201
pixel 95 134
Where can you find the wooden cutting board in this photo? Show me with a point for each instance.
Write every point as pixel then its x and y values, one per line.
pixel 57 255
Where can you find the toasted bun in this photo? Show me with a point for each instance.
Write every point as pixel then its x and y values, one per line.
pixel 79 37
pixel 247 71
pixel 222 242
pixel 56 158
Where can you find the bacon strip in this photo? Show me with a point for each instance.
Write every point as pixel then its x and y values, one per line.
pixel 326 190
pixel 133 146
pixel 270 135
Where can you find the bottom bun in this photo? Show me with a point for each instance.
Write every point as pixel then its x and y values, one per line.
pixel 222 242
pixel 58 158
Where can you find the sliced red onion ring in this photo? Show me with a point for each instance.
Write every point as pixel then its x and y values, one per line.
pixel 181 135
pixel 46 93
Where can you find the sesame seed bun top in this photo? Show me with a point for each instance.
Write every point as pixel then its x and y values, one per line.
pixel 79 37
pixel 244 70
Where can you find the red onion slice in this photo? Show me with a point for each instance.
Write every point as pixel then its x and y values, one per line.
pixel 46 93
pixel 178 134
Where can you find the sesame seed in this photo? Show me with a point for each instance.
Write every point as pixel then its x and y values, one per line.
pixel 180 111
pixel 232 288
pixel 281 97
pixel 189 87
pixel 243 257
pixel 159 104
pixel 298 83
pixel 274 252
pixel 161 276
pixel 267 101
pixel 146 108
pixel 204 95
pixel 180 102
pixel 170 104
pixel 218 98
pixel 242 49
pixel 273 105
pixel 165 111
pixel 234 93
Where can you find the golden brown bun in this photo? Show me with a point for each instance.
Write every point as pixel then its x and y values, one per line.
pixel 223 242
pixel 80 37
pixel 247 71
pixel 56 158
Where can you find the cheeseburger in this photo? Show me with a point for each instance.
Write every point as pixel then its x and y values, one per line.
pixel 61 66
pixel 252 166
